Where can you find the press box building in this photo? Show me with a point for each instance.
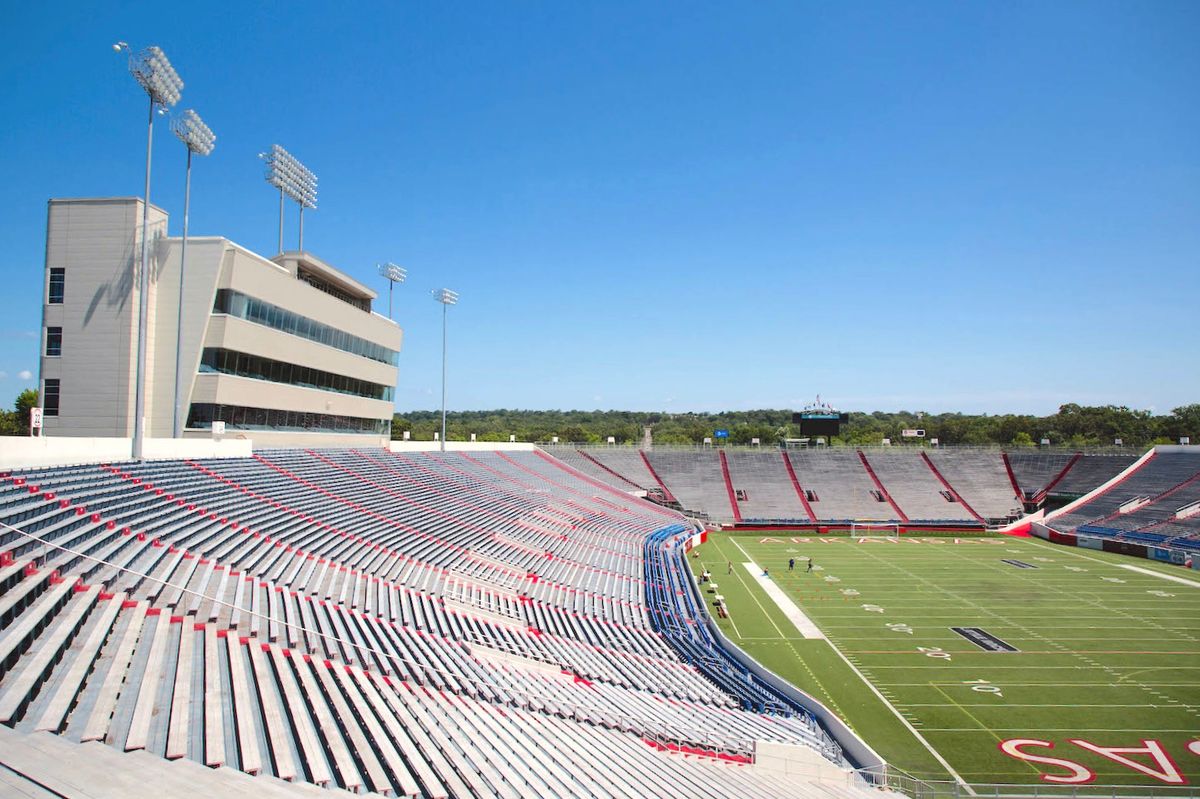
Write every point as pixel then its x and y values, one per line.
pixel 285 351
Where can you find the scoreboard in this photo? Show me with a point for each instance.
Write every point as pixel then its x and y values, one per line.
pixel 820 423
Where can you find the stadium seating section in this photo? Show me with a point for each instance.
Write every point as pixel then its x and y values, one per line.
pixel 486 624
pixel 941 487
pixel 1155 503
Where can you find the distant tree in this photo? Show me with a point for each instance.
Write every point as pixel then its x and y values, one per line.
pixel 1022 439
pixel 16 421
pixel 26 400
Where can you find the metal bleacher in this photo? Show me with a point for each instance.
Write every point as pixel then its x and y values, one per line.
pixel 1142 505
pixel 1091 471
pixel 914 487
pixel 693 476
pixel 981 479
pixel 768 489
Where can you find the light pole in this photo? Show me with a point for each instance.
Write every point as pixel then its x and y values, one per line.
pixel 198 139
pixel 294 180
pixel 447 298
pixel 393 274
pixel 154 73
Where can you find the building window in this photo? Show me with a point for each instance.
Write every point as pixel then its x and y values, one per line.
pixel 202 415
pixel 53 341
pixel 252 309
pixel 58 283
pixel 50 396
pixel 240 364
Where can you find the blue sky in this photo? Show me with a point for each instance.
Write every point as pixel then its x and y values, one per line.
pixel 682 206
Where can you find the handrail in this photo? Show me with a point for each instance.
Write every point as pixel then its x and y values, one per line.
pixel 892 778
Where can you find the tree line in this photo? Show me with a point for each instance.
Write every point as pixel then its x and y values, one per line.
pixel 1071 426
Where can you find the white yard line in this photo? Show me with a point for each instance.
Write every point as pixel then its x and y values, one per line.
pixel 936 755
pixel 794 614
pixel 1160 575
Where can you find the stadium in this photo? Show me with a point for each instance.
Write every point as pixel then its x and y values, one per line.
pixel 225 570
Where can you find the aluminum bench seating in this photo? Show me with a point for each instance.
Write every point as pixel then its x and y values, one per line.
pixel 229 696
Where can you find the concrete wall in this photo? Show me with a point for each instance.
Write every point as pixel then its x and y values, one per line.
pixel 17 452
pixel 796 762
pixel 98 243
pixel 460 446
pixel 205 259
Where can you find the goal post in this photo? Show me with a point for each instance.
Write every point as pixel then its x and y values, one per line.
pixel 874 530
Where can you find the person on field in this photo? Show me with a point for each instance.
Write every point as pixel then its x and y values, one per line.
pixel 730 569
pixel 791 564
pixel 810 564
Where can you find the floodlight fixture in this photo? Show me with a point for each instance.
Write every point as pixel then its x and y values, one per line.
pixel 393 274
pixel 294 180
pixel 153 71
pixel 447 298
pixel 190 129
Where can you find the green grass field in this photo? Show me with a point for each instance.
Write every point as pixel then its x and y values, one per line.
pixel 1107 655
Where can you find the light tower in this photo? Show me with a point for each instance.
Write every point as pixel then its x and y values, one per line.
pixel 154 73
pixel 393 274
pixel 293 180
pixel 447 298
pixel 199 139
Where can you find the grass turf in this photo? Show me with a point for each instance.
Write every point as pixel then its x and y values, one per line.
pixel 1106 655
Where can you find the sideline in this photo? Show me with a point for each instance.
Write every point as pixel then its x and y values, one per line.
pixel 1159 575
pixel 887 703
pixel 794 614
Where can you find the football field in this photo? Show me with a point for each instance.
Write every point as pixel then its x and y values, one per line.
pixel 985 659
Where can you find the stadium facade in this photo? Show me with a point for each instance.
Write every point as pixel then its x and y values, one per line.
pixel 284 350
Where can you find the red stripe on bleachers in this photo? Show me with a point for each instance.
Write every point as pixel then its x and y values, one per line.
pixel 1012 477
pixel 862 456
pixel 1040 495
pixel 950 488
pixel 737 513
pixel 608 469
pixel 666 491
pixel 787 462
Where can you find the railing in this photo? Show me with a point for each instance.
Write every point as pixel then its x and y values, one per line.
pixel 894 779
pixel 774 446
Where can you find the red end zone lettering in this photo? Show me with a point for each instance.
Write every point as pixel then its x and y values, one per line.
pixel 1167 771
pixel 1079 774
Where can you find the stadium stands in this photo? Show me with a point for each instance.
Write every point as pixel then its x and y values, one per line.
pixel 915 488
pixel 489 624
pixel 768 490
pixel 1036 472
pixel 694 479
pixel 1088 472
pixel 980 479
pixel 1155 502
pixel 938 487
